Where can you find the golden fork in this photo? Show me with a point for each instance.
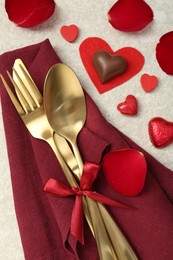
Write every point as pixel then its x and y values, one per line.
pixel 29 89
pixel 33 115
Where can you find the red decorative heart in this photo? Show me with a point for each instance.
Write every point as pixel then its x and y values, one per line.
pixel 149 82
pixel 134 58
pixel 125 171
pixel 69 33
pixel 129 106
pixel 160 132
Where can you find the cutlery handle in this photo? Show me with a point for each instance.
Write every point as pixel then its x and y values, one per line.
pixel 66 153
pixel 119 243
pixel 105 249
pixel 95 220
pixel 66 156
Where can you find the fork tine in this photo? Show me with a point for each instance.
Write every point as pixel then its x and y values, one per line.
pixel 21 86
pixel 21 98
pixel 28 81
pixel 12 97
pixel 30 84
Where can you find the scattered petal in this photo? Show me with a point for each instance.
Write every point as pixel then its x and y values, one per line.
pixel 164 53
pixel 130 15
pixel 30 13
pixel 125 171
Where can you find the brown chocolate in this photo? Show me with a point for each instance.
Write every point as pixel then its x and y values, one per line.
pixel 108 66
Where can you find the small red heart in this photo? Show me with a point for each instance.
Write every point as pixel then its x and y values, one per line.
pixel 125 171
pixel 160 132
pixel 69 33
pixel 149 82
pixel 90 46
pixel 129 106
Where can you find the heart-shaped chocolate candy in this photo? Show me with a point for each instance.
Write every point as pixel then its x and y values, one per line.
pixel 108 66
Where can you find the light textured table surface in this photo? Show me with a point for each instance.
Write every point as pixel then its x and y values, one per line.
pixel 91 18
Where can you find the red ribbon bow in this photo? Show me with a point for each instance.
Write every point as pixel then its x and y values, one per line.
pixel 89 174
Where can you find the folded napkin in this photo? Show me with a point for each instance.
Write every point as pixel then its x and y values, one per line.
pixel 43 219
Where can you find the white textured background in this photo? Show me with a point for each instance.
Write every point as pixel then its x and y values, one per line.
pixel 91 18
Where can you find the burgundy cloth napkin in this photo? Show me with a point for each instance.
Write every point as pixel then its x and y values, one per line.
pixel 43 219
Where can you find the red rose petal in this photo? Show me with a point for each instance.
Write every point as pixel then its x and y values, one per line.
pixel 29 13
pixel 130 15
pixel 164 53
pixel 125 171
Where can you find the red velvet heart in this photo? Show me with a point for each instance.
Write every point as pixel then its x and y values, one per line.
pixel 148 82
pixel 129 106
pixel 160 132
pixel 134 58
pixel 69 33
pixel 125 171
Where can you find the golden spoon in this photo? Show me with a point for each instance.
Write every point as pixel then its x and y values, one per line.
pixel 66 111
pixel 65 107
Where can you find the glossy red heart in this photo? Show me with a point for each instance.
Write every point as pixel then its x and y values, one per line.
pixel 129 106
pixel 125 171
pixel 149 82
pixel 160 132
pixel 134 58
pixel 69 33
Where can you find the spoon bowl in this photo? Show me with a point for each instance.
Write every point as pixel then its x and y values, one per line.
pixel 65 104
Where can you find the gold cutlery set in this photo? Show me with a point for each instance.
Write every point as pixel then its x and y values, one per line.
pixel 57 117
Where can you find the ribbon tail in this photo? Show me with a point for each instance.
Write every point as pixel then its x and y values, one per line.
pixel 103 199
pixel 77 220
pixel 57 188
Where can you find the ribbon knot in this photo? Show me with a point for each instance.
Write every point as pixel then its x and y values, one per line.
pixel 77 191
pixel 89 174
